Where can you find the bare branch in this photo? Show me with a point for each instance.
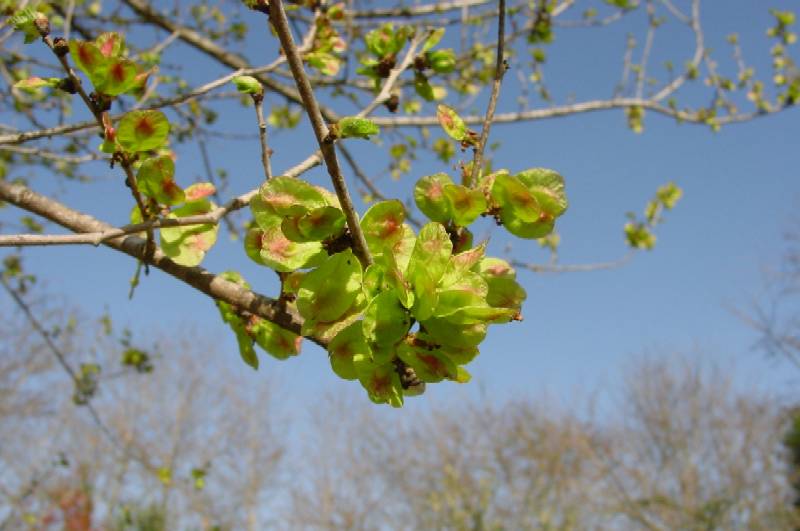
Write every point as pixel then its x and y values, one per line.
pixel 578 108
pixel 572 268
pixel 266 152
pixel 500 70
pixel 436 8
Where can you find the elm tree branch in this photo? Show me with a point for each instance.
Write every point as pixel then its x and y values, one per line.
pixel 572 268
pixel 580 108
pixel 281 25
pixel 266 152
pixel 212 285
pixel 499 71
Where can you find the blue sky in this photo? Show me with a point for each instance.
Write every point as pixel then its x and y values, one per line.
pixel 581 330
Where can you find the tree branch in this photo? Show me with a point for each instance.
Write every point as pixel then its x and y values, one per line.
pixel 578 108
pixel 500 70
pixel 212 285
pixel 281 25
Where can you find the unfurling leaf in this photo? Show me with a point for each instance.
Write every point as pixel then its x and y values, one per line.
pixel 32 85
pixel 248 85
pixel 352 127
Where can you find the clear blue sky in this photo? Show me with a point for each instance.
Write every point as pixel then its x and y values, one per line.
pixel 581 329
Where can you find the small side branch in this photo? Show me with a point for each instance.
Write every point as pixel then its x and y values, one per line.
pixel 266 152
pixel 572 268
pixel 500 70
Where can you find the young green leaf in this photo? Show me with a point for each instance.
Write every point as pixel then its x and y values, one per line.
pixel 386 322
pixel 465 204
pixel 248 85
pixel 442 61
pixel 143 130
pixel 276 341
pixel 352 127
pixel 451 122
pixel 347 344
pixel 433 39
pixel 450 334
pixel 289 196
pixel 428 263
pixel 315 225
pixel 431 366
pixel 156 180
pixel 32 85
pixel 382 224
pixel 187 245
pixel 430 198
pixel 283 255
pixel 24 20
pixel 380 381
pixel 90 60
pixel 547 186
pixel 326 293
pixel 120 76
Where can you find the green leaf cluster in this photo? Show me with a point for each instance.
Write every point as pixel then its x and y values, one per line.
pixel 252 330
pixel 527 203
pixel 328 46
pixel 104 63
pixel 419 308
pixel 383 44
pixel 293 219
pixel 639 233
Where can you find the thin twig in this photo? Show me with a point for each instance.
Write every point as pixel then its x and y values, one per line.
pixel 436 8
pixel 277 16
pixel 266 152
pixel 50 155
pixel 499 71
pixel 572 268
pixel 648 47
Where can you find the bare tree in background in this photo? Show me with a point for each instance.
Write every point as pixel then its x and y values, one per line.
pixel 685 450
pixel 178 445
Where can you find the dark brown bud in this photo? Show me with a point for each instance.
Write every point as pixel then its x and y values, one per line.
pixel 68 85
pixel 60 46
pixel 384 68
pixel 392 103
